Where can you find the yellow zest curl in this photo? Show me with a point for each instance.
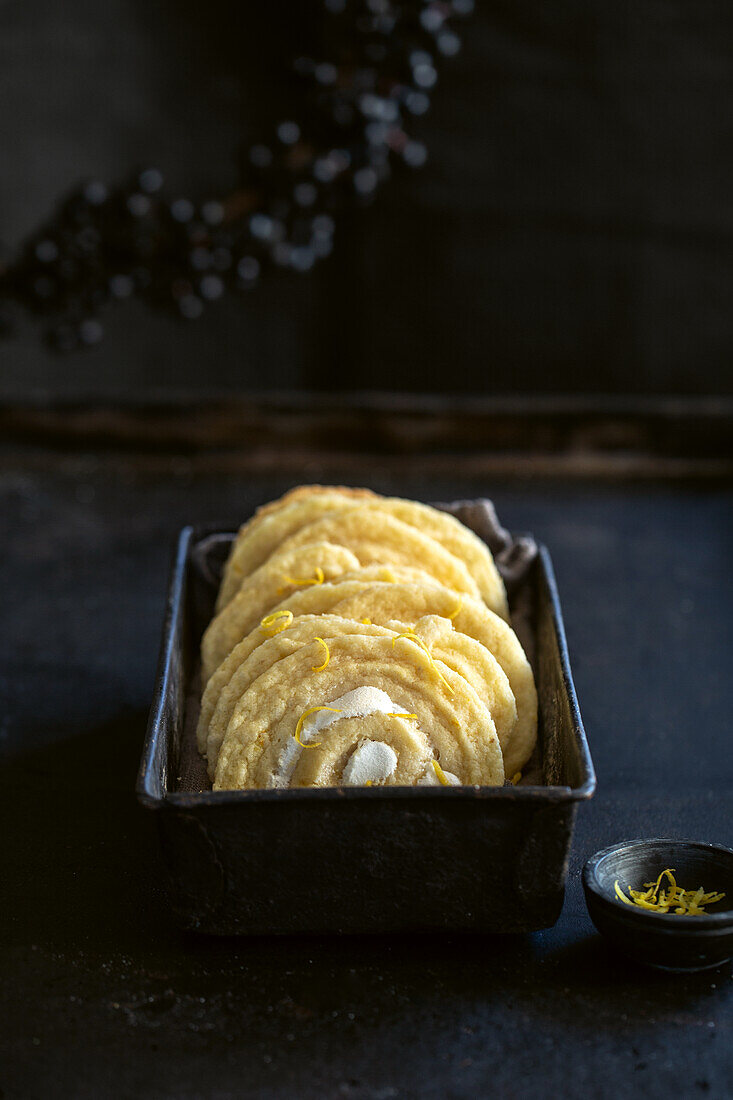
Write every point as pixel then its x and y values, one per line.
pixel 367 622
pixel 411 636
pixel 303 582
pixel 278 621
pixel 689 903
pixel 515 778
pixel 301 720
pixel 320 668
pixel 454 614
pixel 620 894
pixel 443 779
pixel 398 714
pixel 388 575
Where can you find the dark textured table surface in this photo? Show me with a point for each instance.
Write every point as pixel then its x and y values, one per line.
pixel 102 996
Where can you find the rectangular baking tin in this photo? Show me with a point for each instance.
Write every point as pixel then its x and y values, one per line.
pixel 385 859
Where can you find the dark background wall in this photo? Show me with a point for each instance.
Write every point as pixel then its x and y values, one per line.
pixel 572 230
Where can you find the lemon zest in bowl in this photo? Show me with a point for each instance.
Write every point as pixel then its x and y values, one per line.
pixel 303 582
pixel 278 621
pixel 688 903
pixel 301 720
pixel 411 636
pixel 320 668
pixel 442 778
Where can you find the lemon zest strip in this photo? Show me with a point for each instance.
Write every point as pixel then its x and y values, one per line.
pixel 367 622
pixel 278 621
pixel 388 575
pixel 440 774
pixel 303 582
pixel 457 611
pixel 675 899
pixel 301 720
pixel 515 778
pixel 620 894
pixel 320 668
pixel 398 714
pixel 411 636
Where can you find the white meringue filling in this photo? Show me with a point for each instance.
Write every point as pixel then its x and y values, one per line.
pixel 430 779
pixel 372 762
pixel 354 704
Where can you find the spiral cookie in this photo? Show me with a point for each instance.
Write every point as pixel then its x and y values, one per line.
pixel 254 656
pixel 281 519
pixel 289 710
pixel 408 602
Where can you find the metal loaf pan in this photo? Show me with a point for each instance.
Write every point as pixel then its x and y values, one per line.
pixel 356 860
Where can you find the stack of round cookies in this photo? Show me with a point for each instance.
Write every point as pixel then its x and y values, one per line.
pixel 362 640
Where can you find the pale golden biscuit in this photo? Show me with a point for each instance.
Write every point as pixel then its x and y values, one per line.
pixel 260 747
pixel 304 492
pixel 317 602
pixel 258 651
pixel 285 572
pixel 298 604
pixel 272 524
pixel 408 603
pixel 278 520
pixel 377 538
pixel 479 668
pixel 238 619
pixel 253 656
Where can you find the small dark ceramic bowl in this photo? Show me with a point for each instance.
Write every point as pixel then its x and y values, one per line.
pixel 668 941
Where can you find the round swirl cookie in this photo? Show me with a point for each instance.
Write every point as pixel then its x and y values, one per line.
pixel 254 655
pixel 409 601
pixel 258 652
pixel 293 709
